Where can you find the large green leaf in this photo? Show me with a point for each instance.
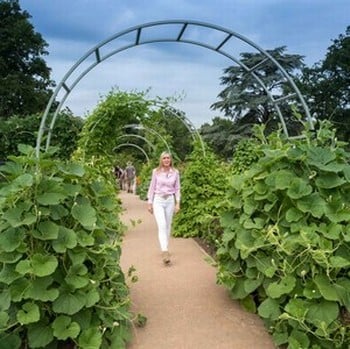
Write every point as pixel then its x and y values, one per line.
pixel 269 309
pixel 5 299
pixel 74 169
pixel 14 216
pixel 84 213
pixel 77 276
pixel 299 188
pixel 10 340
pixel 50 198
pixel 39 290
pixel 293 215
pixel 313 203
pixel 329 180
pixel 69 303
pixel 326 288
pixel 8 274
pixel 39 335
pixel 66 240
pixel 283 286
pixel 28 314
pixel 64 328
pixel 44 265
pixel 47 230
pixel 323 313
pixel 90 338
pixel 319 157
pixel 10 239
pixel 297 308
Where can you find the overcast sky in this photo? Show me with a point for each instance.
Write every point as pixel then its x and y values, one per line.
pixel 72 28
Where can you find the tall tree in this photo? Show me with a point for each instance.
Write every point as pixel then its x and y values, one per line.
pixel 327 85
pixel 244 99
pixel 25 84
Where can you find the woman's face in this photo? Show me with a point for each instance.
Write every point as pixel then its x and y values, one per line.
pixel 166 160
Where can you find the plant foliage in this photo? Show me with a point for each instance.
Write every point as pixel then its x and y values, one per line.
pixel 285 248
pixel 60 246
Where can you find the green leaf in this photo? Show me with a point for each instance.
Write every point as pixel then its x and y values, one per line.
pixel 283 286
pixel 269 309
pixel 39 335
pixel 84 214
pixel 4 318
pixel 293 215
pixel 329 180
pixel 323 313
pixel 38 290
pixel 298 188
pixel 69 303
pixel 298 340
pixel 64 328
pixel 313 204
pixel 280 179
pixel 297 308
pixel 92 297
pixel 5 299
pixel 10 239
pixel 9 274
pixel 47 230
pixel 90 338
pixel 74 169
pixel 325 287
pixel 13 216
pixel 320 156
pixel 251 285
pixel 76 276
pixel 66 240
pixel 43 265
pixel 11 340
pixel 50 198
pixel 339 262
pixel 28 314
pixel 25 180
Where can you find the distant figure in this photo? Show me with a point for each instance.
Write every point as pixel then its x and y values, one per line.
pixel 164 200
pixel 118 172
pixel 130 174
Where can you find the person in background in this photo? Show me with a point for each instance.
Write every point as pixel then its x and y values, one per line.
pixel 130 173
pixel 164 200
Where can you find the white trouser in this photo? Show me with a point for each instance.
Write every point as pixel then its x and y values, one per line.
pixel 163 210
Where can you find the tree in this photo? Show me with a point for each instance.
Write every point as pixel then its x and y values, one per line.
pixel 16 130
pixel 326 85
pixel 24 76
pixel 244 98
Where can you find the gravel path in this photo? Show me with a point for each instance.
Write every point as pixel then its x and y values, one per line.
pixel 184 306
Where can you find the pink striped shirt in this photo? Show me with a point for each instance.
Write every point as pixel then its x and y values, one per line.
pixel 164 183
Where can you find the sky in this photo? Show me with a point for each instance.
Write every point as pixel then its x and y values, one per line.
pixel 187 72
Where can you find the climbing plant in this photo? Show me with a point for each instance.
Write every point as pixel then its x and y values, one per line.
pixel 285 248
pixel 60 245
pixel 203 185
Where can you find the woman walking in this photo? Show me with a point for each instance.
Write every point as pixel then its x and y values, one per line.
pixel 164 200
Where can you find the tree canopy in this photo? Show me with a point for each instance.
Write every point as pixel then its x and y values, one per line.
pixel 326 85
pixel 25 84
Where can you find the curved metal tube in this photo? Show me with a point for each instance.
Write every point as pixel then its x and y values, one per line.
pixel 134 146
pixel 179 38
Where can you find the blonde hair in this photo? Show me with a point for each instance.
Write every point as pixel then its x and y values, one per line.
pixel 161 158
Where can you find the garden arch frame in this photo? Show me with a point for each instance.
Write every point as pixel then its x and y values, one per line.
pixel 135 36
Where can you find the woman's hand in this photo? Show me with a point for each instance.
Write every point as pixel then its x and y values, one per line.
pixel 150 208
pixel 177 207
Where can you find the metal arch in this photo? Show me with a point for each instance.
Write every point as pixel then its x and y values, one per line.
pixel 149 129
pixel 134 146
pixel 140 137
pixel 137 30
pixel 188 124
